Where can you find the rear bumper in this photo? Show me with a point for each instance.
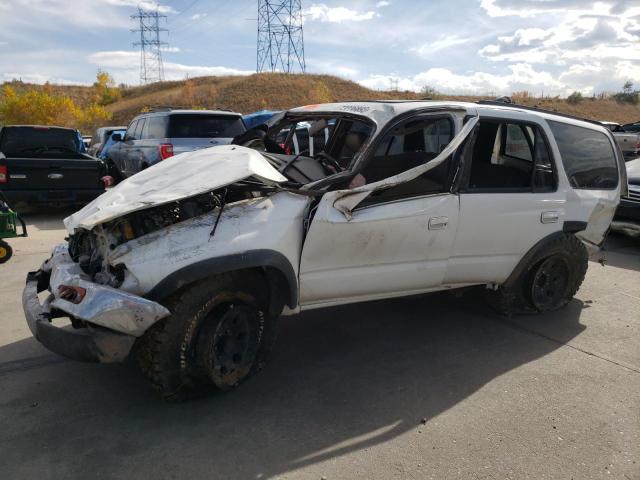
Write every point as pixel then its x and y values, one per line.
pixel 90 344
pixel 52 197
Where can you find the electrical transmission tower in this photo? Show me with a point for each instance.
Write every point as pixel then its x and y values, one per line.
pixel 151 67
pixel 280 38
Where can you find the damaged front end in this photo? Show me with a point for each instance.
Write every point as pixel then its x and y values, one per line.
pixel 131 238
pixel 104 321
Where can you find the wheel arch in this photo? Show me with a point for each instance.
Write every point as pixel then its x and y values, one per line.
pixel 534 254
pixel 279 275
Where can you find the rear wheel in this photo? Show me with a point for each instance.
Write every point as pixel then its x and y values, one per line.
pixel 5 251
pixel 219 333
pixel 549 281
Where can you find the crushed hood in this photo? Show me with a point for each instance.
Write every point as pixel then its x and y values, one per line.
pixel 178 177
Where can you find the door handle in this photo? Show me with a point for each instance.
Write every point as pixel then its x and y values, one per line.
pixel 549 217
pixel 438 223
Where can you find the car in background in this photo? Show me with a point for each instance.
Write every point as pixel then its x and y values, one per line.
pixel 633 127
pixel 44 165
pixel 627 219
pixel 157 135
pixel 629 142
pixel 110 142
pixel 255 119
pixel 100 137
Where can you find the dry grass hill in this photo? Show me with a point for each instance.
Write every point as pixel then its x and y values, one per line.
pixel 281 91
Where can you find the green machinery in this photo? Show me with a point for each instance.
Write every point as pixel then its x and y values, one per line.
pixel 9 220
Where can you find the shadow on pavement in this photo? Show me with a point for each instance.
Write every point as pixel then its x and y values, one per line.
pixel 623 251
pixel 340 380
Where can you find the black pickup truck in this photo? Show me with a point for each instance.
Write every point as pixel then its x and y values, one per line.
pixel 47 166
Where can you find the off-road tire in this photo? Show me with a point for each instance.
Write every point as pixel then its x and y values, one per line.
pixel 517 295
pixel 175 354
pixel 6 251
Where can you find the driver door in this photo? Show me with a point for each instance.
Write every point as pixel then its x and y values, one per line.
pixel 398 241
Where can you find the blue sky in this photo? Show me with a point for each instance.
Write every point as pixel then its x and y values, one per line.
pixel 456 46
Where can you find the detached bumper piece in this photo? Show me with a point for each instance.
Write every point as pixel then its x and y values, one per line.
pixel 90 344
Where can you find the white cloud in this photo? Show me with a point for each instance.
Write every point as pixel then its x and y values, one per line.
pixel 521 77
pixel 170 49
pixel 442 43
pixel 323 13
pixel 198 16
pixel 144 4
pixel 124 66
pixel 383 3
pixel 39 78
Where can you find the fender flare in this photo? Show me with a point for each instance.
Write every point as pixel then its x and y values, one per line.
pixel 525 261
pixel 270 259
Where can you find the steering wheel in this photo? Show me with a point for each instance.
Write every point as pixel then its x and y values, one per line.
pixel 327 160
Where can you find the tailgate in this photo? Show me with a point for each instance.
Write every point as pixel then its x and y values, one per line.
pixel 52 174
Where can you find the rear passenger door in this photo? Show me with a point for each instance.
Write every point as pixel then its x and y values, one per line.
pixel 509 198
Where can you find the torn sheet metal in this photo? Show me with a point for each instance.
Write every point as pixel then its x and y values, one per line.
pixel 347 200
pixel 175 178
pixel 101 305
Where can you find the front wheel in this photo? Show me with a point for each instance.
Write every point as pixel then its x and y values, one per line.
pixel 219 333
pixel 5 251
pixel 548 282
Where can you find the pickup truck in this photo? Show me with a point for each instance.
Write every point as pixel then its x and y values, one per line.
pixel 628 141
pixel 42 165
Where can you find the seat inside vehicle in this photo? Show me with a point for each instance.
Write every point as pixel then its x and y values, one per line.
pixel 492 167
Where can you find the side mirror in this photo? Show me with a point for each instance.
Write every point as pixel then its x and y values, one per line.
pixel 117 137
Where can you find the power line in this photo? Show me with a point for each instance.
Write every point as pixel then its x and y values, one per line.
pixel 280 37
pixel 151 66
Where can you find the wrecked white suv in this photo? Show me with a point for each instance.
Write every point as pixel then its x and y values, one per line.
pixel 190 262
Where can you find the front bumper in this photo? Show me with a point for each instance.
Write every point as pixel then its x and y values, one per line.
pixel 111 319
pixel 91 344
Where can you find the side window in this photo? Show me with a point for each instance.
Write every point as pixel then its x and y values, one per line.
pixel 139 128
pixel 587 155
pixel 408 145
pixel 156 127
pixel 510 157
pixel 130 133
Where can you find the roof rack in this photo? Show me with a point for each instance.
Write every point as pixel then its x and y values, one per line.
pixel 168 108
pixel 499 103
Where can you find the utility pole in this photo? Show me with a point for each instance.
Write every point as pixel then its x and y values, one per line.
pixel 280 37
pixel 151 66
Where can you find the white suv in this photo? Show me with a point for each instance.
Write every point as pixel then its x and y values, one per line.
pixel 190 262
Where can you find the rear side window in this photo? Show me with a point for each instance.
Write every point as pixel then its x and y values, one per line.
pixel 587 155
pixel 157 127
pixel 205 126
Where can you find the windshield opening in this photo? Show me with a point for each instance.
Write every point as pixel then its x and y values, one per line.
pixel 309 148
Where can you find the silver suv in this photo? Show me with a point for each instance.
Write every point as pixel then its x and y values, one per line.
pixel 160 134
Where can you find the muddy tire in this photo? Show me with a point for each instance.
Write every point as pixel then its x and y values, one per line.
pixel 550 280
pixel 6 252
pixel 218 334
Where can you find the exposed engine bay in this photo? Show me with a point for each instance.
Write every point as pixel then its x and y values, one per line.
pixel 88 248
